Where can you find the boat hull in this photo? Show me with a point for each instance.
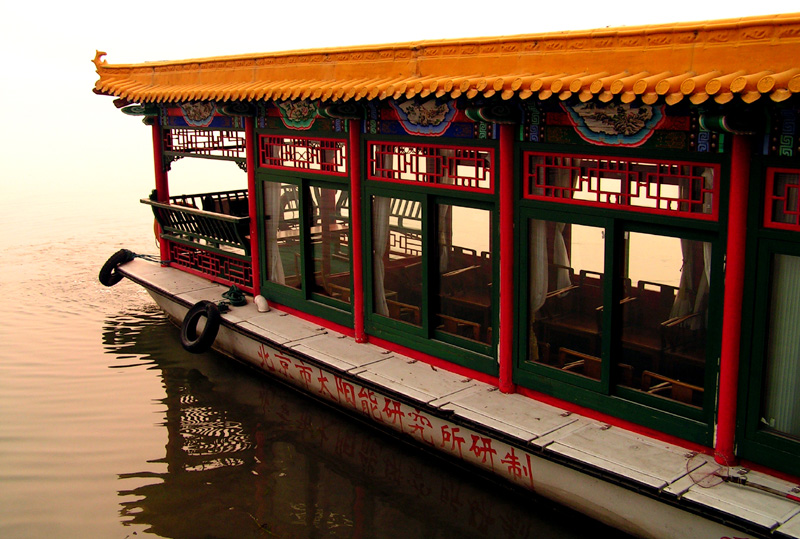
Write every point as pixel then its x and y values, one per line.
pixel 437 424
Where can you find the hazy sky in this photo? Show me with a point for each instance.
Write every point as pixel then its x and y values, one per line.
pixel 57 135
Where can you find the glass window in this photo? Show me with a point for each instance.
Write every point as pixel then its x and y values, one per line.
pixel 318 216
pixel 780 405
pixel 664 304
pixel 566 296
pixel 329 233
pixel 662 307
pixel 397 258
pixel 465 272
pixel 282 208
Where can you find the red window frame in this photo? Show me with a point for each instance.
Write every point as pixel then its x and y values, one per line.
pixel 410 155
pixel 639 183
pixel 770 198
pixel 304 153
pixel 220 143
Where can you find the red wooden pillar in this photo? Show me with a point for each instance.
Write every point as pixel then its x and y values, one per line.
pixel 506 181
pixel 354 134
pixel 732 312
pixel 250 150
pixel 162 184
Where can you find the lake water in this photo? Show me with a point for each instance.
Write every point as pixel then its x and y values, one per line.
pixel 109 429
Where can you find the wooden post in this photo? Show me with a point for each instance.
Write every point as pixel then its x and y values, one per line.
pixel 505 345
pixel 724 450
pixel 250 150
pixel 357 297
pixel 162 185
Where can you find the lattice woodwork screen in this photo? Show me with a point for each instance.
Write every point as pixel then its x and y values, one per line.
pixel 218 267
pixel 303 153
pixel 664 187
pixel 782 208
pixel 224 144
pixel 470 169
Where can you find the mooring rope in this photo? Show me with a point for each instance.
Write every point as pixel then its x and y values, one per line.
pixel 149 258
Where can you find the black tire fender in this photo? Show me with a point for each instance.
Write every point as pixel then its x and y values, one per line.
pixel 109 276
pixel 195 342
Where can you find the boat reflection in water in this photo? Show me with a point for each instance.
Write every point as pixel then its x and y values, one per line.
pixel 247 457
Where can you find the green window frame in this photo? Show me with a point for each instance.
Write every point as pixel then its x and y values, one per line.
pixel 308 165
pixel 607 386
pixel 304 295
pixel 759 439
pixel 468 344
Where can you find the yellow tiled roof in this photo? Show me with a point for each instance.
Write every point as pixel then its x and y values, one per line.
pixel 721 60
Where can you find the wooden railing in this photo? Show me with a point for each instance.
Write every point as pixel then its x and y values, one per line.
pixel 234 203
pixel 213 241
pixel 214 231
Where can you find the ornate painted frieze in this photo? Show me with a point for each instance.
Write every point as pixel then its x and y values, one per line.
pixel 299 114
pixel 198 113
pixel 619 125
pixel 303 115
pixel 429 118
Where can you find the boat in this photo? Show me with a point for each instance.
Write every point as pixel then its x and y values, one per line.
pixel 570 259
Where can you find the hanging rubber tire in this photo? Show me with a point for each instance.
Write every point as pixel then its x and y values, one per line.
pixel 109 276
pixel 190 339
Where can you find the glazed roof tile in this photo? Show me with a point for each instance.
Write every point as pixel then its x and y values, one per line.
pixel 746 58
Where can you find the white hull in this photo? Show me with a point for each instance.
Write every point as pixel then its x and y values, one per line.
pixel 627 481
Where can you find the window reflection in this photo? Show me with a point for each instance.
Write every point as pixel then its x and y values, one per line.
pixel 664 316
pixel 397 259
pixel 329 233
pixel 566 296
pixel 465 272
pixel 327 229
pixel 282 206
pixel 662 308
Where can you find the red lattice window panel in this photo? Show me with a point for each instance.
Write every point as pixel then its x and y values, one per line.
pixel 651 186
pixel 468 169
pixel 303 153
pixel 225 144
pixel 782 208
pixel 217 267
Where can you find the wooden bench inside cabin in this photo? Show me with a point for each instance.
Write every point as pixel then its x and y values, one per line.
pixel 458 326
pixel 572 312
pixel 591 366
pixel 404 312
pixel 658 384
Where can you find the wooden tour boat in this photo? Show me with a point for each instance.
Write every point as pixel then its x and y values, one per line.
pixel 569 259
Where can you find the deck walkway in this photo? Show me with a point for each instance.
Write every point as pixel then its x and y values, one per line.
pixel 642 465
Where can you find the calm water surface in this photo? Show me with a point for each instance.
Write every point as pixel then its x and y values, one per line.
pixel 109 429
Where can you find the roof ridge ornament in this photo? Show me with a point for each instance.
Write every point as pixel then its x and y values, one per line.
pixel 99 59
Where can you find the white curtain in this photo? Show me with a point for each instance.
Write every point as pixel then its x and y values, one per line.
pixel 272 193
pixel 691 297
pixel 782 407
pixel 445 211
pixel 380 242
pixel 539 265
pixel 559 177
pixel 561 258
